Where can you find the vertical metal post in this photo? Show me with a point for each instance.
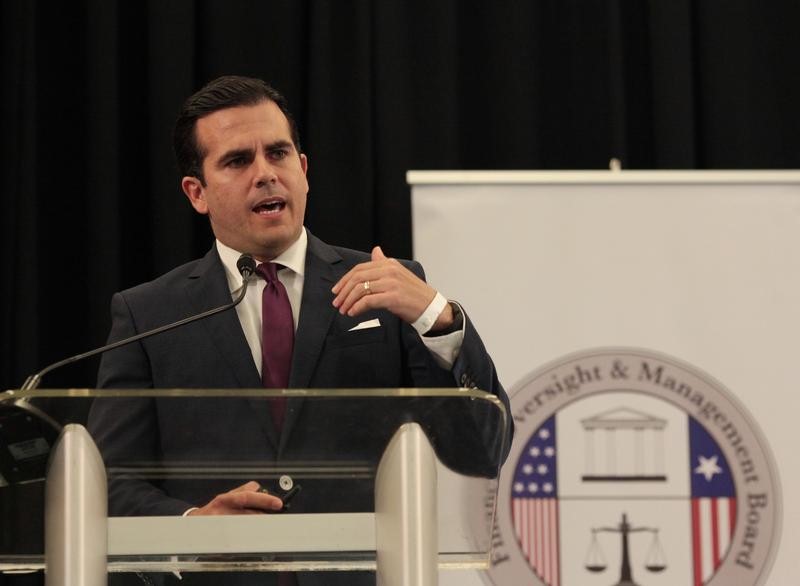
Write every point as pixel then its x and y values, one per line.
pixel 76 512
pixel 406 520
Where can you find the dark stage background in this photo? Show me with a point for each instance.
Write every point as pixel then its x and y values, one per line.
pixel 90 198
pixel 91 202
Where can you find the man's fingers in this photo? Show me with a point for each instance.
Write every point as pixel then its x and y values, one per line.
pixel 357 275
pixel 382 283
pixel 358 291
pixel 363 271
pixel 254 500
pixel 352 286
pixel 244 499
pixel 377 254
pixel 251 485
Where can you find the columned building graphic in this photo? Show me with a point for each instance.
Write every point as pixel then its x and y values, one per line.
pixel 624 445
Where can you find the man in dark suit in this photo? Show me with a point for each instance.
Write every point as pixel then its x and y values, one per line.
pixel 360 321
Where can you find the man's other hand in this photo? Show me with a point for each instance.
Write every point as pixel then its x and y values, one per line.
pixel 246 499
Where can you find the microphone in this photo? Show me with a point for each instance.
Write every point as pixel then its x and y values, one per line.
pixel 247 267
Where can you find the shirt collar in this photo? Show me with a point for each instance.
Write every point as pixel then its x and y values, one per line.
pixel 293 258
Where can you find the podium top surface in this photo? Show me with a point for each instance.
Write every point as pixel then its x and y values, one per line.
pixel 77 393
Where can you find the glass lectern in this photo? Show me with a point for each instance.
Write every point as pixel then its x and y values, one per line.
pixel 401 482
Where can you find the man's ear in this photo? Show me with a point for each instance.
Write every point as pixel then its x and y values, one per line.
pixel 194 190
pixel 304 163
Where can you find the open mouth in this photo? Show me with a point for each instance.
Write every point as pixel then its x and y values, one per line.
pixel 269 206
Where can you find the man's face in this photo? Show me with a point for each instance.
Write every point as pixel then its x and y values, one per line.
pixel 256 186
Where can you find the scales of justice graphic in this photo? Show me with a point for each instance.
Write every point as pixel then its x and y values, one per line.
pixel 655 560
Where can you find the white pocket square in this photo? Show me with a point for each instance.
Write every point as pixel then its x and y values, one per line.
pixel 365 325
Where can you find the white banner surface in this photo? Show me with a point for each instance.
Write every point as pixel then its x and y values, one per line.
pixel 696 269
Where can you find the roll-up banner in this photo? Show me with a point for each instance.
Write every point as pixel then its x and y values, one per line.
pixel 647 326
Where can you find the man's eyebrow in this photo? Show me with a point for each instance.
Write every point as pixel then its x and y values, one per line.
pixel 280 144
pixel 234 153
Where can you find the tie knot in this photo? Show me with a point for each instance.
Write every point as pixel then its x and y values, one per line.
pixel 268 271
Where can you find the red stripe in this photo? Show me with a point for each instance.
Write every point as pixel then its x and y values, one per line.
pixel 554 541
pixel 534 531
pixel 523 525
pixel 539 535
pixel 546 528
pixel 696 546
pixel 528 529
pixel 531 531
pixel 732 522
pixel 715 531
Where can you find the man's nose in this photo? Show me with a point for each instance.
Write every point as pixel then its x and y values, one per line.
pixel 265 172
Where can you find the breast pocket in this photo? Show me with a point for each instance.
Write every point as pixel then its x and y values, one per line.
pixel 356 338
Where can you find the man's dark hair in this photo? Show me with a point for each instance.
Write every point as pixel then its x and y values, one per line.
pixel 224 92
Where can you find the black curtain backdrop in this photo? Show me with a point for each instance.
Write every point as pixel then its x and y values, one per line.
pixel 90 198
pixel 91 202
pixel 90 88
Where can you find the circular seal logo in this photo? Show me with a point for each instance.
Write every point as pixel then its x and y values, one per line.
pixel 632 468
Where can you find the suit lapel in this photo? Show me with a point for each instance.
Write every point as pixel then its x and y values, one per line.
pixel 206 288
pixel 316 310
pixel 316 315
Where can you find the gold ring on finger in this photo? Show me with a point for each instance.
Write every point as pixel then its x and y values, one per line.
pixel 367 289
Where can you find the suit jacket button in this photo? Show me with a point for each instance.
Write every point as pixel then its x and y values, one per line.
pixel 286 482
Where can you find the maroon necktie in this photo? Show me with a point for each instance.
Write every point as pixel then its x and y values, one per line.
pixel 277 338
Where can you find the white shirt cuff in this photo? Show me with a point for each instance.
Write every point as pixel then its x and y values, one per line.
pixel 444 348
pixel 425 322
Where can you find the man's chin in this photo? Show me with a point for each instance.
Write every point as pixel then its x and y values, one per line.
pixel 275 243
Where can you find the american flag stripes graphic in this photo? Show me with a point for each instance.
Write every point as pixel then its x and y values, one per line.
pixel 534 503
pixel 713 503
